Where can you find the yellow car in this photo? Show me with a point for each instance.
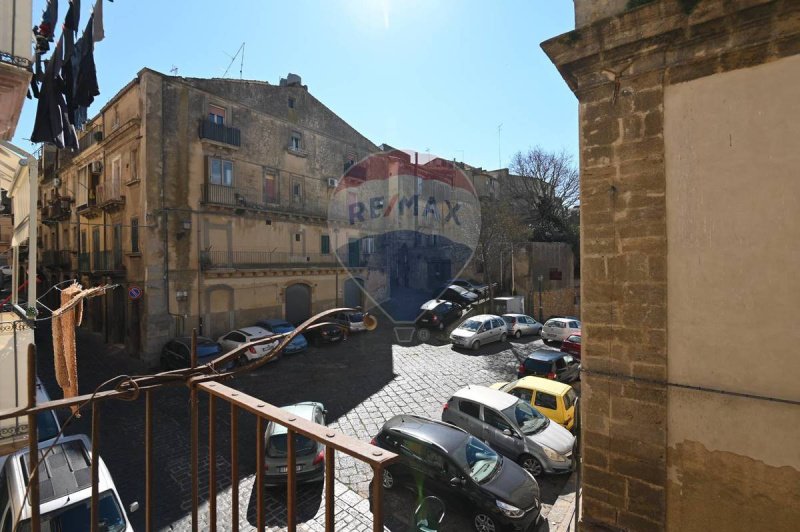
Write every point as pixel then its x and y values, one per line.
pixel 554 399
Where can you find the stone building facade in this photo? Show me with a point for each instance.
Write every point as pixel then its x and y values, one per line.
pixel 209 196
pixel 689 120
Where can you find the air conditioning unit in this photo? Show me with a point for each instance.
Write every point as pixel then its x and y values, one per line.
pixel 332 182
pixel 98 136
pixel 95 167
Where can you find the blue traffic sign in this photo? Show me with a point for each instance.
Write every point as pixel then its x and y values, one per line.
pixel 134 292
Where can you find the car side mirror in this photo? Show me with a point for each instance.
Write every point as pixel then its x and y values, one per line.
pixel 508 432
pixel 456 482
pixel 133 507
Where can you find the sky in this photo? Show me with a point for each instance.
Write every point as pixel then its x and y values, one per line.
pixel 435 76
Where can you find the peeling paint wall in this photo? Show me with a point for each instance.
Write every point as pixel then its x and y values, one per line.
pixel 733 228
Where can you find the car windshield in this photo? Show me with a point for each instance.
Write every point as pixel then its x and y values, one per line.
pixel 470 325
pixel 574 339
pixel 528 419
pixel 46 425
pixel 459 289
pixel 538 366
pixel 283 328
pixel 509 319
pixel 478 459
pixel 569 399
pixel 355 317
pixel 277 445
pixel 76 517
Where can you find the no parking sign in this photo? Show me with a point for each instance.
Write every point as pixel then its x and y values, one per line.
pixel 134 292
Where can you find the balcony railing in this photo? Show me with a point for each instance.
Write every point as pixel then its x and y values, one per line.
pixel 254 198
pixel 101 261
pixel 109 194
pixel 58 258
pixel 84 262
pixel 203 381
pixel 220 133
pixel 210 260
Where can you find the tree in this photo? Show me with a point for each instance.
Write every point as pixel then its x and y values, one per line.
pixel 545 186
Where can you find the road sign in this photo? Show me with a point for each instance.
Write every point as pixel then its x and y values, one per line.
pixel 134 292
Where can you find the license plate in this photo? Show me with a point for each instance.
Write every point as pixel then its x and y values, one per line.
pixel 284 469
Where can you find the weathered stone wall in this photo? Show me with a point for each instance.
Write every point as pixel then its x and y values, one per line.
pixel 618 68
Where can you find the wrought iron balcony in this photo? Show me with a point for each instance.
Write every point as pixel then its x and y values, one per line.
pixel 254 199
pixel 246 260
pixel 220 133
pixel 101 261
pixel 57 258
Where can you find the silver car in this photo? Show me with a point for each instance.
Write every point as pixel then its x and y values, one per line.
pixel 513 428
pixel 309 455
pixel 520 325
pixel 479 330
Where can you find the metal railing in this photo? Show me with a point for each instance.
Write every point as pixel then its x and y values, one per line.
pixel 254 198
pixel 262 259
pixel 101 261
pixel 206 379
pixel 61 258
pixel 220 133
pixel 109 192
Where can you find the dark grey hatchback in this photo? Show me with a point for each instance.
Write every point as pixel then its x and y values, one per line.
pixel 439 459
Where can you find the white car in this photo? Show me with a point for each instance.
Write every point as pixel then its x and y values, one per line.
pixel 236 338
pixel 479 330
pixel 559 329
pixel 520 324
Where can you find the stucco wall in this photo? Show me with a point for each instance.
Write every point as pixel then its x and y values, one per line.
pixel 733 200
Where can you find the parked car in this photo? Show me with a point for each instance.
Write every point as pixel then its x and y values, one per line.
pixel 481 289
pixel 513 428
pixel 326 334
pixel 5 270
pixel 551 365
pixel 277 326
pixel 456 294
pixel 65 488
pixel 572 345
pixel 555 400
pixel 236 338
pixel 520 324
pixel 479 330
pixel 309 454
pixel 352 319
pixel 437 458
pixel 559 329
pixel 176 353
pixel 554 316
pixel 438 313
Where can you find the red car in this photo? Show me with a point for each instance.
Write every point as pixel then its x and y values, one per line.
pixel 572 345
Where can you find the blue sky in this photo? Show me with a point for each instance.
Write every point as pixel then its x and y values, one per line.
pixel 416 74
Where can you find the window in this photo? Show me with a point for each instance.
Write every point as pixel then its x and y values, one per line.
pixel 569 399
pixel 412 449
pixel 216 114
pixel 135 235
pixel 134 162
pixel 291 103
pixel 116 175
pixel 369 245
pixel 82 186
pixel 236 337
pixel 297 192
pixel 545 400
pixel 469 408
pixel 270 188
pixel 495 420
pixel 297 237
pixel 325 244
pixel 561 363
pixel 220 172
pixel 574 325
pixel 296 141
pixel 523 394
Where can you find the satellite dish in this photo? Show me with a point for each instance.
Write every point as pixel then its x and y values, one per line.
pixel 57 182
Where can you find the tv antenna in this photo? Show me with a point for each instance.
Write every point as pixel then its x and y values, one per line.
pixel 174 70
pixel 233 58
pixel 499 158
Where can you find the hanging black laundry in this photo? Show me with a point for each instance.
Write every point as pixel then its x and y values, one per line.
pixel 45 30
pixel 52 124
pixel 86 82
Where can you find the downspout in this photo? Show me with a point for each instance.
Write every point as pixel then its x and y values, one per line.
pixel 164 214
pixel 199 277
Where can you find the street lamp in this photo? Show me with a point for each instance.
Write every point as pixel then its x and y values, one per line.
pixel 541 316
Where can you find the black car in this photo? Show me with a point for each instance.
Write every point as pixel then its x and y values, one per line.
pixel 437 313
pixel 175 355
pixel 325 334
pixel 456 294
pixel 439 459
pixel 550 365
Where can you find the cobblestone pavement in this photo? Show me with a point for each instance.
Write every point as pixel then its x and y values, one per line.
pixel 362 382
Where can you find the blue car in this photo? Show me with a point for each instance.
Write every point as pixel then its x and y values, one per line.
pixel 276 326
pixel 175 355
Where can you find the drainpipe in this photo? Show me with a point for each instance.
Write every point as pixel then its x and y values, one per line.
pixel 199 277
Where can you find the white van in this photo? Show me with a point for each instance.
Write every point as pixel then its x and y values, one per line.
pixel 65 490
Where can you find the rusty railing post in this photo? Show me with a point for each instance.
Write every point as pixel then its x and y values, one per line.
pixel 195 436
pixel 291 481
pixel 148 460
pixel 260 474
pixel 329 485
pixel 33 441
pixel 95 466
pixel 212 464
pixel 377 499
pixel 234 468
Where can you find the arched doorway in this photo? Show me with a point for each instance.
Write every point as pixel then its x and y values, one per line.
pixel 298 303
pixel 353 296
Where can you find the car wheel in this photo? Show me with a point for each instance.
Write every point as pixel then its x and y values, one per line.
pixel 476 345
pixel 531 465
pixel 388 479
pixel 503 337
pixel 545 342
pixel 484 523
pixel 517 334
